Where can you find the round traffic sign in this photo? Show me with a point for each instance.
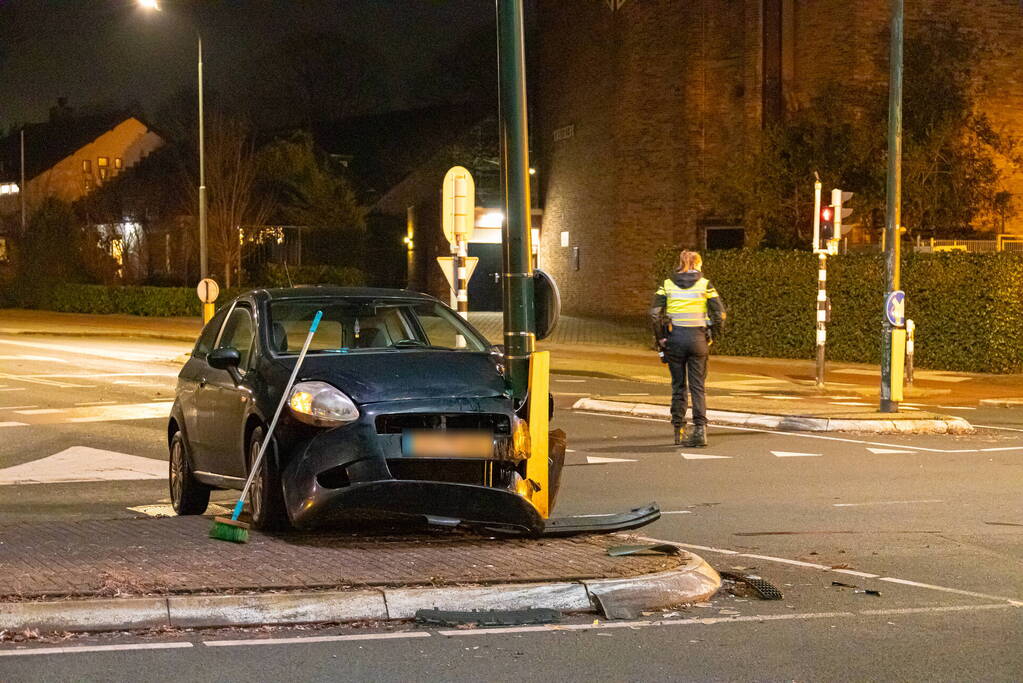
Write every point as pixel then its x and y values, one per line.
pixel 208 290
pixel 895 308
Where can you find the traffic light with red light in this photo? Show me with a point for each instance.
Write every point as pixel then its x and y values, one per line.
pixel 827 227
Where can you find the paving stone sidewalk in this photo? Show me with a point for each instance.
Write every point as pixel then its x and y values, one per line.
pixel 174 555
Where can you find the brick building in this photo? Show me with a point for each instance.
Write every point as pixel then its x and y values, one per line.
pixel 638 102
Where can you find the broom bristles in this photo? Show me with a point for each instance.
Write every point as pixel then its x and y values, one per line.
pixel 232 530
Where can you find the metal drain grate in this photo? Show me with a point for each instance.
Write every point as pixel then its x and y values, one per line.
pixel 763 589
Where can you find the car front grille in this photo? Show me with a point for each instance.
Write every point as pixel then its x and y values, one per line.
pixel 399 422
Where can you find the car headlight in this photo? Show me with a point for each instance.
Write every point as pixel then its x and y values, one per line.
pixel 321 405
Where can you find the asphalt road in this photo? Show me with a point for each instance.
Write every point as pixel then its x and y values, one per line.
pixel 934 523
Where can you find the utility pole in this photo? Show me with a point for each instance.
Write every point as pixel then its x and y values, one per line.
pixel 519 318
pixel 203 260
pixel 890 395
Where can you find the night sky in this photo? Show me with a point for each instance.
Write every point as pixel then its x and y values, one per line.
pixel 109 53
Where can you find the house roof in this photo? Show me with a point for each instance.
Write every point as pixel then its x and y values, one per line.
pixel 47 143
pixel 384 148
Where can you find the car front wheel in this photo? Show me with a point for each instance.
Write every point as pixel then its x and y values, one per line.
pixel 266 497
pixel 188 495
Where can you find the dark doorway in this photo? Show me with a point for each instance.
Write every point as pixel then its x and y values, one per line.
pixel 485 285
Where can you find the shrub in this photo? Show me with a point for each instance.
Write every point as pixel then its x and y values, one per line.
pixel 968 308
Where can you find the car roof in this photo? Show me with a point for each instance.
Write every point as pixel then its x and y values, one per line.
pixel 331 292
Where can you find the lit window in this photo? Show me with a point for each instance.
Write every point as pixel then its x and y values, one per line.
pixel 118 162
pixel 103 162
pixel 8 188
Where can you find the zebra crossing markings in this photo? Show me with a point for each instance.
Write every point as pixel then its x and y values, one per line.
pixel 83 464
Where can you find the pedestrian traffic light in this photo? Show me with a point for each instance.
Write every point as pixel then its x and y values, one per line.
pixel 827 227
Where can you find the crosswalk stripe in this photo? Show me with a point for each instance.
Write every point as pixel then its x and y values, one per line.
pixel 793 454
pixel 704 456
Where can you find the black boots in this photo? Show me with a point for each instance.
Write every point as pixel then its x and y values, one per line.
pixel 697 438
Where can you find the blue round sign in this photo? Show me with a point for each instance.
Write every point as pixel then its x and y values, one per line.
pixel 895 308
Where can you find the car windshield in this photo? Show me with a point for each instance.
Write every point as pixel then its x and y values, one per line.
pixel 362 325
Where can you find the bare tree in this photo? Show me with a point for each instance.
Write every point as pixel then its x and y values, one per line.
pixel 231 171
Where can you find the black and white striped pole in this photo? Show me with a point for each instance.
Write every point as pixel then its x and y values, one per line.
pixel 459 214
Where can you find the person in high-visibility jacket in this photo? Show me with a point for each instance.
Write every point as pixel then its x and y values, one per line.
pixel 687 314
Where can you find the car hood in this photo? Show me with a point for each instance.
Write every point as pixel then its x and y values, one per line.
pixel 407 374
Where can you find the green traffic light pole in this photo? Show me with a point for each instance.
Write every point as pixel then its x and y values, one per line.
pixel 894 198
pixel 519 320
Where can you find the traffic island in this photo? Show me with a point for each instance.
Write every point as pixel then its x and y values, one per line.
pixel 165 572
pixel 798 414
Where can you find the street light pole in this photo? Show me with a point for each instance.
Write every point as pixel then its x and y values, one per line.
pixel 893 211
pixel 203 261
pixel 519 319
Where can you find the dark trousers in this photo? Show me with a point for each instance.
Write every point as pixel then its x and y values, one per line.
pixel 687 360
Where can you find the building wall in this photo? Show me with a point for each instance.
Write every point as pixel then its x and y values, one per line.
pixel 129 141
pixel 638 108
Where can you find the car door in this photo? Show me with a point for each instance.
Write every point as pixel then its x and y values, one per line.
pixel 227 396
pixel 192 382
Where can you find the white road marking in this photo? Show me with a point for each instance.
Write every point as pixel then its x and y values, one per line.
pixel 849 403
pixel 647 394
pixel 570 381
pixel 315 639
pixel 704 456
pixel 13 389
pixel 927 610
pixel 16 407
pixel 794 454
pixel 958 408
pixel 95 403
pixel 596 460
pixel 885 502
pixel 44 359
pixel 806 435
pixel 82 464
pixel 909 408
pixel 853 572
pixel 45 382
pixel 13 424
pixel 1004 429
pixel 1013 601
pixel 116 354
pixel 40 411
pixel 880 451
pixel 724 551
pixel 93 648
pixel 780 398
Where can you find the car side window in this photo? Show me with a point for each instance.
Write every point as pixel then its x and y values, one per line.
pixel 238 334
pixel 208 336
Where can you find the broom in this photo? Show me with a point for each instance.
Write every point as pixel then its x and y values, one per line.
pixel 230 529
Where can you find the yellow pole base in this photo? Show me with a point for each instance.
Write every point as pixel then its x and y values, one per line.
pixel 538 465
pixel 898 362
pixel 207 312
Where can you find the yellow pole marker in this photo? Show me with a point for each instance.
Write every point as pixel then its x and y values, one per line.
pixel 208 291
pixel 539 425
pixel 207 312
pixel 898 361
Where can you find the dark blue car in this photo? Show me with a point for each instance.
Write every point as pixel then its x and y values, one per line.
pixel 400 409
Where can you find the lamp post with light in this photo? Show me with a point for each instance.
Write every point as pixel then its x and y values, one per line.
pixel 154 5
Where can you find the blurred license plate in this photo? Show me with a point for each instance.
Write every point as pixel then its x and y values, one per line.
pixel 448 444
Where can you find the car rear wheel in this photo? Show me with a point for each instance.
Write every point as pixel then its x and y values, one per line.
pixel 188 495
pixel 266 497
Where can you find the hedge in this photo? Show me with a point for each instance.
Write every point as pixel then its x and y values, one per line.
pixel 968 308
pixel 157 301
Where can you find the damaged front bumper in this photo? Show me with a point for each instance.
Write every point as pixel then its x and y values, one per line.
pixel 361 470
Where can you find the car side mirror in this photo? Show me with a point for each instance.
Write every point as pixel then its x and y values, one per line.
pixel 224 358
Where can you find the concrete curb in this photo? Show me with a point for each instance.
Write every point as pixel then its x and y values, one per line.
pixel 1002 402
pixel 694 581
pixel 169 336
pixel 785 423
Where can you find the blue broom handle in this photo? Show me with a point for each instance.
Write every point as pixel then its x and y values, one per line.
pixel 273 423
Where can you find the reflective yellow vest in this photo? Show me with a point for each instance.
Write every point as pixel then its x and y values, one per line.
pixel 687 307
